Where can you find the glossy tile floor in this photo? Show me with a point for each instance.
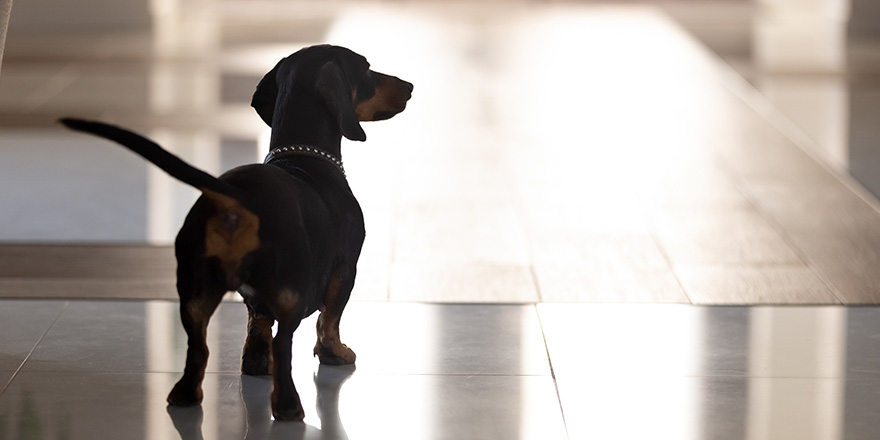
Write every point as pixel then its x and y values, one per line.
pixel 86 369
pixel 586 224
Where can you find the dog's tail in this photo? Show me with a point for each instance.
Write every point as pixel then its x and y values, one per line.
pixel 230 233
pixel 152 152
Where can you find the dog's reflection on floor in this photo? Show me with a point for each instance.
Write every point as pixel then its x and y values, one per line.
pixel 254 393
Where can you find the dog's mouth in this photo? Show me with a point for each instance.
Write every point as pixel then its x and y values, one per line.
pixel 398 103
pixel 381 116
pixel 388 102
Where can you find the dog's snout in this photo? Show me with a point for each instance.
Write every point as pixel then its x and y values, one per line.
pixel 404 93
pixel 392 94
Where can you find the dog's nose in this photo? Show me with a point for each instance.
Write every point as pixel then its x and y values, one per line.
pixel 408 86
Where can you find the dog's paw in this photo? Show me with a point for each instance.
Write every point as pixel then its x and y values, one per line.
pixel 289 414
pixel 184 395
pixel 335 354
pixel 256 365
pixel 287 409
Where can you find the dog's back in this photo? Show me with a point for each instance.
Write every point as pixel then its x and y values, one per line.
pixel 306 221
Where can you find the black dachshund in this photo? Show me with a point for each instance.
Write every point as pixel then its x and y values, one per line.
pixel 287 233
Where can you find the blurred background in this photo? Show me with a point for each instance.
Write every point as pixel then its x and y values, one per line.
pixel 544 138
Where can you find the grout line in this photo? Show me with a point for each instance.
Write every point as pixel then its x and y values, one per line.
pixel 552 371
pixel 536 283
pixel 527 236
pixel 787 239
pixel 28 356
pixel 655 236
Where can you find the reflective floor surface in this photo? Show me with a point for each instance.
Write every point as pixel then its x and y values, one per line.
pixel 84 370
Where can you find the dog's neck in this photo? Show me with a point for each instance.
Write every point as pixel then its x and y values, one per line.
pixel 305 123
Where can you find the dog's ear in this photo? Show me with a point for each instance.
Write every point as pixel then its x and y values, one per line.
pixel 335 89
pixel 265 95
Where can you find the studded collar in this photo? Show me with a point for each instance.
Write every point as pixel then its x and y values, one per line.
pixel 304 150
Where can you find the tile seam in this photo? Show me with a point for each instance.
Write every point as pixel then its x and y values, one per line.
pixel 36 344
pixel 552 371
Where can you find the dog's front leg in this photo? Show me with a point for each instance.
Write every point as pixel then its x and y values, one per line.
pixel 329 348
pixel 288 310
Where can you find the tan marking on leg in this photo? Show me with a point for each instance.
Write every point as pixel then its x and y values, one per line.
pixel 329 348
pixel 257 358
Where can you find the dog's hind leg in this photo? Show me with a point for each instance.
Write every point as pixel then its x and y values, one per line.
pixel 329 348
pixel 256 357
pixel 197 304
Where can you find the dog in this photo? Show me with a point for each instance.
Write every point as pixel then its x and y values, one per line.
pixel 287 233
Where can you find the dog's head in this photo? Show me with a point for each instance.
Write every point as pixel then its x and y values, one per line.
pixel 341 79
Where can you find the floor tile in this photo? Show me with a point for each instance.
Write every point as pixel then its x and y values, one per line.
pixel 466 283
pixel 576 283
pixel 427 339
pixel 765 151
pixel 339 404
pixel 134 336
pixel 720 235
pixel 23 325
pixel 82 405
pixel 404 338
pixel 812 205
pixel 588 340
pixel 797 342
pixel 593 340
pixel 5 377
pixel 443 407
pixel 862 349
pixel 388 338
pixel 93 336
pixel 792 284
pixel 597 251
pixel 546 212
pixel 460 233
pixel 116 336
pixel 846 262
pixel 92 288
pixel 87 261
pixel 708 184
pixel 719 408
pixel 680 408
